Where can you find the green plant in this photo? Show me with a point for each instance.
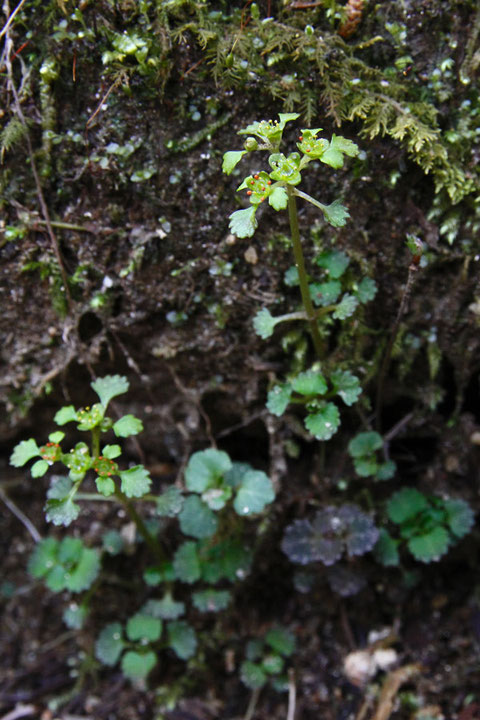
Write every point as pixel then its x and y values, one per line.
pixel 265 659
pixel 280 187
pixel 427 525
pixel 362 449
pixel 213 542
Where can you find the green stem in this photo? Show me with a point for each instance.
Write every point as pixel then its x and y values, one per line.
pixel 302 274
pixel 309 199
pixel 95 442
pixel 151 541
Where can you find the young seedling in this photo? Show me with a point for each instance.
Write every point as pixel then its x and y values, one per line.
pixel 279 187
pixel 362 449
pixel 428 526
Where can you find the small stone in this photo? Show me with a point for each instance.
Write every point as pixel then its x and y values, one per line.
pixel 251 255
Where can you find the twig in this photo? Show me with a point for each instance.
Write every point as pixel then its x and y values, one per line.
pixel 11 18
pixel 252 704
pixel 412 270
pixel 102 101
pixel 20 711
pixel 19 514
pixel 36 177
pixel 292 695
pixel 391 686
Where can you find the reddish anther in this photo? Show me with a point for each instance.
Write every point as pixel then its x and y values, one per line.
pixel 300 138
pixel 256 177
pixel 249 192
pixel 308 150
pixel 269 182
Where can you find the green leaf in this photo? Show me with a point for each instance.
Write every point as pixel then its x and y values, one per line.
pixel 336 214
pixel 43 557
pixel 366 466
pixel 217 498
pixel 255 492
pixel 113 543
pixel 281 640
pixel 144 628
pixel 386 470
pixel 235 475
pixel 272 664
pixel 111 451
pixel 23 452
pixel 205 469
pixel 39 468
pixel 430 546
pixel 278 198
pixel 405 504
pixel 226 560
pixel 127 425
pixel 186 563
pixel 105 486
pixel 170 502
pixel 85 573
pixel 326 293
pixel 109 644
pixel 386 550
pixel 60 487
pixel 252 675
pixel 285 169
pixel 65 415
pixel 137 665
pixel 243 223
pixel 366 290
pixel 310 382
pixel 336 149
pixel 364 444
pixel 135 481
pixel 211 600
pixel 167 608
pixel 231 160
pixel 56 437
pixel 74 616
pixel 324 423
pixel 197 519
pixel 278 399
pixel 460 517
pixel 346 307
pixel 291 277
pixel 182 639
pixel 109 387
pixel 264 323
pixel 334 261
pixel 346 385
pixel 61 512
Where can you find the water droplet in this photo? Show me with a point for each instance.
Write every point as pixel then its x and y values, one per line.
pixel 245 510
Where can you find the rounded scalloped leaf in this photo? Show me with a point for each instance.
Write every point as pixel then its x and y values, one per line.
pixel 211 600
pixel 279 398
pixel 344 581
pixel 296 543
pixel 182 639
pixel 228 560
pixel 325 293
pixel 167 608
pixel 61 511
pixel 170 502
pixel 243 223
pixel 186 563
pixel 386 549
pixel 43 557
pixel 310 382
pixel 136 481
pixel 109 387
pixel 324 423
pixel 272 664
pixel 85 572
pixel 109 644
pixel 39 468
pixel 205 469
pixel 137 665
pixel 252 675
pixel 346 307
pixel 366 290
pixel 361 533
pixel 405 504
pixel 460 517
pixel 365 444
pixel 334 261
pixel 431 546
pixel 127 425
pixel 264 323
pixel 23 452
pixel 255 492
pixel 196 518
pixel 346 385
pixel 281 640
pixel 74 616
pixel 144 628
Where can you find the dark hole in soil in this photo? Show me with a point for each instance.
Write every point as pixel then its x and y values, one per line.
pixel 89 325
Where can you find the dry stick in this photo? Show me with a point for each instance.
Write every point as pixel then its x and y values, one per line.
pixel 292 695
pixel 252 704
pixel 19 514
pixel 412 269
pixel 11 17
pixel 38 186
pixel 99 106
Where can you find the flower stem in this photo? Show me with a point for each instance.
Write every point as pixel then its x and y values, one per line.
pixel 302 275
pixel 152 542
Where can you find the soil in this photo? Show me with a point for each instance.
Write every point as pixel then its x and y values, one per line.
pixel 174 295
